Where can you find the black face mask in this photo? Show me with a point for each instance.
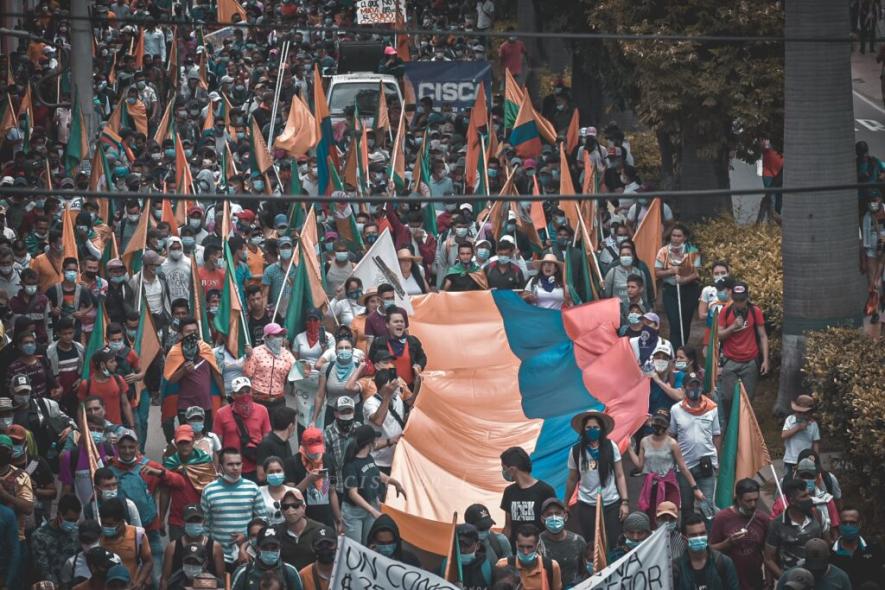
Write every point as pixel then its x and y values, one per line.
pixel 326 556
pixel 344 425
pixel 806 506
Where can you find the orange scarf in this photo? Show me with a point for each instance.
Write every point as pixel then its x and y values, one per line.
pixel 311 465
pixel 706 405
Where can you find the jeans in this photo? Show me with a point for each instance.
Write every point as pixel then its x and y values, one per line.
pixel 706 484
pixel 688 296
pixel 142 410
pixel 156 543
pixel 357 522
pixel 611 516
pixel 729 373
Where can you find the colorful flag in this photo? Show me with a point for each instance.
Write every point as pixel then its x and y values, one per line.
pixel 10 119
pixel 138 51
pixel 300 298
pixel 600 542
pixel 146 343
pixel 649 235
pixel 537 212
pixel 164 128
pixel 209 123
pixel 382 115
pixel 69 242
pixel 397 172
pixel 226 11
pixel 168 216
pixel 711 362
pixel 230 320
pixel 325 148
pixel 567 187
pixel 172 68
pixel 300 134
pixel 78 143
pixel 203 71
pixel 361 154
pixel 184 180
pixel 26 115
pixel 96 339
pixel 198 304
pixel 137 243
pixel 345 225
pixel 513 96
pixel 572 136
pixel 402 39
pixel 138 114
pixel 261 161
pixel 477 127
pixel 524 137
pixel 744 452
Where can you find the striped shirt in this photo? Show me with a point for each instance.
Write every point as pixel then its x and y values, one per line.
pixel 228 508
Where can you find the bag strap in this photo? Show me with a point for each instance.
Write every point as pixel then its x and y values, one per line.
pixel 245 438
pixel 393 412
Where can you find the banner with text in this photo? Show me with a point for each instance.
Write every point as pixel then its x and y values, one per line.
pixel 453 83
pixel 645 568
pixel 359 568
pixel 369 12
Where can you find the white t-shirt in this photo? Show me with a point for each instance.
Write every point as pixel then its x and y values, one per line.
pixel 695 434
pixel 589 483
pixel 800 441
pixel 389 428
pixel 546 299
pixel 485 11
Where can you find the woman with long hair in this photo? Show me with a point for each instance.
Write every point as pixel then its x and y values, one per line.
pixel 410 266
pixel 547 288
pixel 677 265
pixel 594 468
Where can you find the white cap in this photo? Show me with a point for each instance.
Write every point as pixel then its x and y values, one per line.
pixel 467 206
pixel 7 180
pixel 214 96
pixel 240 382
pixel 507 240
pixel 663 346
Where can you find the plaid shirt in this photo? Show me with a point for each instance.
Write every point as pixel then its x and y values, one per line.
pixel 336 443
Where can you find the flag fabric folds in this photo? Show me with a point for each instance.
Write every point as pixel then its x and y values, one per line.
pixel 524 137
pixel 600 542
pixel 226 11
pixel 300 134
pixel 325 147
pixel 572 136
pixel 477 128
pixel 77 148
pixel 96 339
pixel 649 235
pixel 711 362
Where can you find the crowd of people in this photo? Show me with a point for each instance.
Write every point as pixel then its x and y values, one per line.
pixel 269 451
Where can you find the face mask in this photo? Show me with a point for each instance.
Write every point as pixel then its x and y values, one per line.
pixel 213 309
pixel 269 557
pixel 592 434
pixel 188 243
pixel 483 253
pixel 806 506
pixel 809 485
pixel 327 556
pixel 386 549
pixel 620 239
pixel 131 100
pixel 195 223
pixel 29 348
pixel 176 254
pixel 231 478
pixel 274 344
pixel 5 422
pixel 461 232
pixel 370 238
pixel 258 185
pixel 133 218
pixel 68 526
pixel 345 356
pixel 722 295
pixel 874 207
pixel 275 479
pixel 132 334
pixel 70 276
pixel 121 171
pixel 626 260
pixel 140 84
pixel 116 345
pixel 193 529
pixel 633 318
pixel 191 571
pixel 197 426
pixel 161 243
pixel 286 253
pixel 22 400
pixel 31 289
pixel 328 246
pixel 849 531
pixel 506 475
pixel 554 523
pixel 109 531
pixel 503 259
pixel 6 270
pixel 697 543
pixel 661 365
pixel 468 558
pixel 631 543
pixel 527 558
pixel 18 451
pixel 341 256
pixel 693 394
pixel 128 461
pixel 563 243
pixel 671 526
pixel 97 437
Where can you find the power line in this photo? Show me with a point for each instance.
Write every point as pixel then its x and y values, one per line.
pixel 387 31
pixel 243 198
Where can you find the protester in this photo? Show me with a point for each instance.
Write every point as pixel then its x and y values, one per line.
pixel 800 432
pixel 701 565
pixel 636 529
pixel 242 425
pixel 739 532
pixel 788 533
pixel 565 547
pixel 860 558
pixel 268 547
pixel 535 571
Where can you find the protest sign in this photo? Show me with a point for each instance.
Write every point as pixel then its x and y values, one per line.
pixel 369 12
pixel 646 567
pixel 380 265
pixel 451 83
pixel 359 568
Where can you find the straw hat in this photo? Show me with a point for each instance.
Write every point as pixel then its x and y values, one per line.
pixel 364 299
pixel 549 257
pixel 803 403
pixel 608 423
pixel 406 254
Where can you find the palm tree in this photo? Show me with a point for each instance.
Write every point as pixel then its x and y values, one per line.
pixel 822 284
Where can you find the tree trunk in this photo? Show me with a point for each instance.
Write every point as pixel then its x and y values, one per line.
pixel 822 285
pixel 697 172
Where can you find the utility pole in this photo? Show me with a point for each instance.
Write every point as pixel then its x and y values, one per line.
pixel 81 60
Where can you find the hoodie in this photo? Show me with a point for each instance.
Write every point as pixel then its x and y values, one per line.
pixel 386 523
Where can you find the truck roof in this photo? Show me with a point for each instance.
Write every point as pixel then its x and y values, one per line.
pixel 365 76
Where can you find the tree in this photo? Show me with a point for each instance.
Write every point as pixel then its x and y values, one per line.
pixel 822 284
pixel 703 100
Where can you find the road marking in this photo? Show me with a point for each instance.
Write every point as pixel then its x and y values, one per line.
pixel 869 102
pixel 871 124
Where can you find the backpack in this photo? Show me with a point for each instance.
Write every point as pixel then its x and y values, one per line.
pixel 546 562
pixel 135 489
pixel 495 543
pixel 717 564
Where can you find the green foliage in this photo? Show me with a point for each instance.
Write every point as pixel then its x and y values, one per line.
pixel 724 91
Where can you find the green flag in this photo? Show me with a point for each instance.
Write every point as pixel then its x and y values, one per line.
pixel 96 340
pixel 300 299
pixel 728 456
pixel 74 150
pixel 229 319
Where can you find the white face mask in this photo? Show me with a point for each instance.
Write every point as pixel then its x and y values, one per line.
pixel 661 365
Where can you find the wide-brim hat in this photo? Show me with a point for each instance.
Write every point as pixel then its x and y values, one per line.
pixel 550 257
pixel 406 254
pixel 608 423
pixel 364 298
pixel 803 403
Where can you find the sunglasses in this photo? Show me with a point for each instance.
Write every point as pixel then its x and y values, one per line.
pixel 291 506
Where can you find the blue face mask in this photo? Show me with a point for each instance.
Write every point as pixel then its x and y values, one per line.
pixel 29 348
pixel 630 543
pixel 722 295
pixel 69 527
pixel 527 558
pixel 697 543
pixel 468 558
pixel 269 557
pixel 118 279
pixel 18 451
pixel 121 171
pixel 849 532
pixel 503 259
pixel 554 523
pixel 633 318
pixel 386 549
pixel 70 276
pixel 258 185
pixel 809 484
pixel 193 529
pixel 483 253
pixel 197 426
pixel 110 531
pixel 341 256
pixel 593 433
pixel 188 242
pixel 169 152
pixel 483 535
pixel 275 479
pixel 345 356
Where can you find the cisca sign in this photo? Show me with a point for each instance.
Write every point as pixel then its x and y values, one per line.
pixel 453 83
pixel 449 91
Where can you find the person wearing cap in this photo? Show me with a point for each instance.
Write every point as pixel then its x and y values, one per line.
pixel 204 440
pixel 255 421
pixel 694 422
pixel 744 345
pixel 336 436
pixel 739 532
pixel 25 457
pixel 195 222
pixel 663 388
pixel 476 570
pixel 547 289
pixel 268 366
pixel 595 468
pixel 33 304
pixel 817 563
pixel 861 558
pixel 565 547
pixel 808 471
pixel 636 529
pixel 413 272
pixel 297 532
pixel 98 561
pixel 667 516
pixel 495 545
pixel 120 299
pixel 55 541
pixel 800 432
pixel 316 575
pixel 701 566
pixel 268 560
pixel 192 547
pixel 127 541
pixel 189 471
pixel 118 578
pixel 75 569
pixel 789 532
pixel 309 470
pixel 103 382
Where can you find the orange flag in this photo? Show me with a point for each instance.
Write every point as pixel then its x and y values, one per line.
pixel 262 155
pixel 600 557
pixel 567 187
pixel 752 454
pixel 227 9
pixel 382 117
pixel 162 131
pixel 184 180
pixel 209 123
pixel 204 76
pixel 649 235
pixel 138 241
pixel 453 557
pixel 69 242
pixel 138 51
pixel 150 348
pixel 172 72
pixel 138 112
pixel 537 210
pixel 309 242
pixel 479 118
pixel 10 120
pixel 573 133
pixel 169 217
pixel 300 134
pixel 402 39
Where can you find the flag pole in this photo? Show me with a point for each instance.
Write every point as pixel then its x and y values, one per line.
pixel 276 99
pixel 777 483
pixel 283 288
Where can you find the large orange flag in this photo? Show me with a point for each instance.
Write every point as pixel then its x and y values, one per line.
pixel 162 131
pixel 227 9
pixel 300 134
pixel 600 552
pixel 572 136
pixel 138 51
pixel 567 187
pixel 138 242
pixel 262 155
pixel 169 216
pixel 752 454
pixel 479 119
pixel 68 240
pixel 649 235
pixel 453 571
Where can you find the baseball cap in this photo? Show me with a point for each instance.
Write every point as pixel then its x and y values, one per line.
pixel 21 383
pixel 507 240
pixel 118 573
pixel 663 346
pixel 17 433
pixel 345 404
pixel 184 433
pixel 194 412
pixel 652 317
pixel 817 554
pixel 126 433
pixel 325 537
pixel 740 291
pixel 151 257
pixel 273 329
pixel 6 404
pixel 214 96
pixel 190 511
pixel 806 465
pixel 312 440
pixel 389 51
pixel 552 502
pixel 478 516
pixel 115 263
pixel 267 536
pixel 280 220
pixel 693 378
pixel 246 215
pixel 194 209
pixel 668 508
pixel 7 181
pixel 240 383
pixel 798 578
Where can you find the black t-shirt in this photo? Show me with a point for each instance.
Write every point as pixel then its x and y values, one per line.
pixel 362 473
pixel 700 578
pixel 511 279
pixel 462 282
pixel 256 328
pixel 524 505
pixel 316 497
pixel 272 446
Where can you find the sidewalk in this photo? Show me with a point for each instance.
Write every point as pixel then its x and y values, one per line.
pixel 865 74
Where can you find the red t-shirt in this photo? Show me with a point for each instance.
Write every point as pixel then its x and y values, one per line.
pixel 741 346
pixel 511 53
pixel 211 279
pixel 110 392
pixel 257 425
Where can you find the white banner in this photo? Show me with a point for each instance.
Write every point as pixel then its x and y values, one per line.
pixel 379 11
pixel 359 568
pixel 646 567
pixel 380 265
